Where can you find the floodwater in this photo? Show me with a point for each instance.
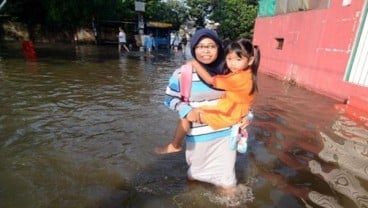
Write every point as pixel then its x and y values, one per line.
pixel 77 129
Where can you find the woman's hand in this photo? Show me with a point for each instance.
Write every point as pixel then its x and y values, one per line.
pixel 194 115
pixel 194 63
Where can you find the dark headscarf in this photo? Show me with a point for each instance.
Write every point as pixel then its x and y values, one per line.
pixel 217 66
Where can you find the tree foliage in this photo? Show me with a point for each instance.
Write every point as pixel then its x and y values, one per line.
pixel 172 11
pixel 236 18
pixel 30 12
pixel 199 10
pixel 67 15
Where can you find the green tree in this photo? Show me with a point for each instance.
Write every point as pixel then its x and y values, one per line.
pixel 199 10
pixel 69 14
pixel 236 18
pixel 66 16
pixel 29 12
pixel 179 13
pixel 172 11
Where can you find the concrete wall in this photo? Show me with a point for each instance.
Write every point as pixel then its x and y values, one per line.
pixel 316 48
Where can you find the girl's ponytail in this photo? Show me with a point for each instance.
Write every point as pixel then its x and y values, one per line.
pixel 254 68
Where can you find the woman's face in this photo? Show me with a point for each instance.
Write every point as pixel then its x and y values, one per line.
pixel 206 51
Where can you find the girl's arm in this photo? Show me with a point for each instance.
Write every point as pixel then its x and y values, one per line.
pixel 202 72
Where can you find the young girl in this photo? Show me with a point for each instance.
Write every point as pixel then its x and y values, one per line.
pixel 239 82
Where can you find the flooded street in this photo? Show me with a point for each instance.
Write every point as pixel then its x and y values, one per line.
pixel 78 128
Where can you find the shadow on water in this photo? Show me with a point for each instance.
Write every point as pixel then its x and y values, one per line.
pixel 77 129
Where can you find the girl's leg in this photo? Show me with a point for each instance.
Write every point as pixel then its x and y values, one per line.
pixel 175 145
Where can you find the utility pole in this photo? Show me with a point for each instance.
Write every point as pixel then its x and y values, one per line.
pixel 140 9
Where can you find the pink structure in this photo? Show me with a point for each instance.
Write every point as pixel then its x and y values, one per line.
pixel 314 48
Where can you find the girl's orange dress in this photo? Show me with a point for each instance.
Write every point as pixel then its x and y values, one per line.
pixel 235 103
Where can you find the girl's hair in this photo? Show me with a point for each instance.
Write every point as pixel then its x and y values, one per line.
pixel 245 48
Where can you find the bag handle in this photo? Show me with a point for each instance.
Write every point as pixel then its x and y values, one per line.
pixel 186 81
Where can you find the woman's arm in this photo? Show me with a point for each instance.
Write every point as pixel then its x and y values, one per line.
pixel 173 98
pixel 202 72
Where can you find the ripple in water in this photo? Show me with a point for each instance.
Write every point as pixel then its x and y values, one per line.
pixel 242 195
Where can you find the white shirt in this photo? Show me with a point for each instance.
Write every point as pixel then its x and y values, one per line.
pixel 122 38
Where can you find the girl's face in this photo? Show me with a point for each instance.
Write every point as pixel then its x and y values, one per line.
pixel 206 51
pixel 236 63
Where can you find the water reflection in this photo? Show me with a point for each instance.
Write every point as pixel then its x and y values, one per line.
pixel 77 129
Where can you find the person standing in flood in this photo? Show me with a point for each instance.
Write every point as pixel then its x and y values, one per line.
pixel 149 44
pixel 175 42
pixel 240 85
pixel 122 40
pixel 183 43
pixel 29 50
pixel 209 155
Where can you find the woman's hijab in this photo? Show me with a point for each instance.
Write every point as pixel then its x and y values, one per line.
pixel 215 67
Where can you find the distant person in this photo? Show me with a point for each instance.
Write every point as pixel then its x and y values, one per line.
pixel 94 28
pixel 175 42
pixel 75 39
pixel 122 40
pixel 29 50
pixel 149 44
pixel 183 43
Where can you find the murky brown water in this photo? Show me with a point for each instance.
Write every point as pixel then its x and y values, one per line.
pixel 77 129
